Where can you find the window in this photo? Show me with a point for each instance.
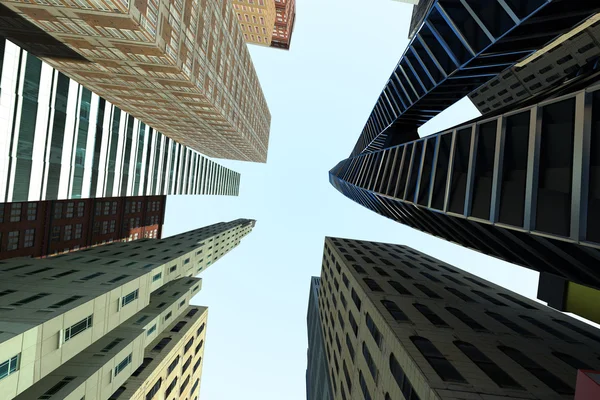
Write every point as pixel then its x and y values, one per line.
pixel 188 345
pixel 345 280
pixel 438 362
pixel 467 320
pixel 547 328
pixel 92 276
pixel 198 347
pixel 142 367
pixel 358 269
pixel 150 395
pixel 353 323
pixel 117 393
pixel 185 366
pixel 402 274
pixel 197 364
pixel 490 368
pixel 178 326
pixel 173 268
pixel 510 324
pixel 114 207
pixel 31 211
pixel 15 212
pixel 56 388
pixel 151 330
pixel 402 380
pixel 571 361
pixel 80 209
pixel 347 376
pixel 430 293
pixel 157 277
pixel 430 315
pixel 13 240
pixel 77 328
pixel 395 311
pixel 170 388
pixel 517 301
pixel 68 232
pixel 70 209
pixel 488 298
pixel 453 279
pixel 30 299
pixel 459 294
pixel 29 237
pixel 58 210
pixel 374 331
pixel 363 386
pixel 161 345
pixel 356 300
pixel 537 370
pixel 168 315
pixel 430 277
pixel 129 298
pixel 369 360
pixel 577 329
pixel 184 385
pixel 172 365
pixel 374 286
pixel 78 230
pixel 399 288
pixel 9 366
pixel 350 348
pixel 121 366
pixel 200 330
pixel 65 301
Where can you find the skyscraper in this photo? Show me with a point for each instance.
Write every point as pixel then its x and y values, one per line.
pixel 399 324
pixel 183 70
pixel 111 321
pixel 45 228
pixel 59 140
pixel 257 20
pixel 284 24
pixel 318 385
pixel 519 183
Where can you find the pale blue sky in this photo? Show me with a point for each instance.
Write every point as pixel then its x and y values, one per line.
pixel 320 94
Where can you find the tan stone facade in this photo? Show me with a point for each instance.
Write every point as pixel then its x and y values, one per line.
pixel 398 324
pixel 107 322
pixel 180 66
pixel 257 19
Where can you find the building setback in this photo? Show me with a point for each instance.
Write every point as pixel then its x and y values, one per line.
pixel 519 183
pixel 257 20
pixel 45 228
pixel 109 320
pixel 399 324
pixel 59 140
pixel 318 386
pixel 184 71
pixel 284 24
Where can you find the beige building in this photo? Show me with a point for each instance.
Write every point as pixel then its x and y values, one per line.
pixel 109 322
pixel 181 67
pixel 257 19
pixel 398 324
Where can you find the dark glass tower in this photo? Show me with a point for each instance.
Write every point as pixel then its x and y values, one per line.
pixel 318 385
pixel 522 182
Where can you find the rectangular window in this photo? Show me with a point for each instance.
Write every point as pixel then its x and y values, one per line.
pixel 172 366
pixel 79 327
pixel 188 345
pixel 9 366
pixel 15 212
pixel 78 230
pixel 129 298
pixel 67 235
pixel 65 302
pixel 114 208
pixel 30 299
pixel 29 237
pixel 157 277
pixel 80 209
pixel 31 211
pixel 151 330
pixel 58 210
pixel 70 209
pixel 121 366
pixel 13 240
pixel 168 315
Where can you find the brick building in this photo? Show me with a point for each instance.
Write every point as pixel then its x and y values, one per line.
pixel 257 19
pixel 284 23
pixel 46 228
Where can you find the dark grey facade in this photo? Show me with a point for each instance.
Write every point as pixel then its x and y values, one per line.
pixel 318 385
pixel 522 182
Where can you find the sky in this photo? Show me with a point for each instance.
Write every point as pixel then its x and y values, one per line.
pixel 320 94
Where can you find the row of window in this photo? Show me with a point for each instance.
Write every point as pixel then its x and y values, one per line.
pixel 13 239
pixel 16 210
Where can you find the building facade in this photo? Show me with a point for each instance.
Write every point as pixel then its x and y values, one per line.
pixel 518 183
pixel 45 228
pixel 318 386
pixel 110 321
pixel 399 324
pixel 59 140
pixel 183 69
pixel 257 19
pixel 284 24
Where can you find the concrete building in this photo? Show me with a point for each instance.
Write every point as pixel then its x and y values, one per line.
pixel 284 24
pixel 398 324
pixel 519 183
pixel 318 385
pixel 182 69
pixel 109 320
pixel 59 140
pixel 45 228
pixel 257 19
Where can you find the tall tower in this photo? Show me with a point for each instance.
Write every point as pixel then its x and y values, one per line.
pixel 257 20
pixel 521 182
pixel 183 70
pixel 284 24
pixel 318 385
pixel 111 321
pixel 59 140
pixel 398 324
